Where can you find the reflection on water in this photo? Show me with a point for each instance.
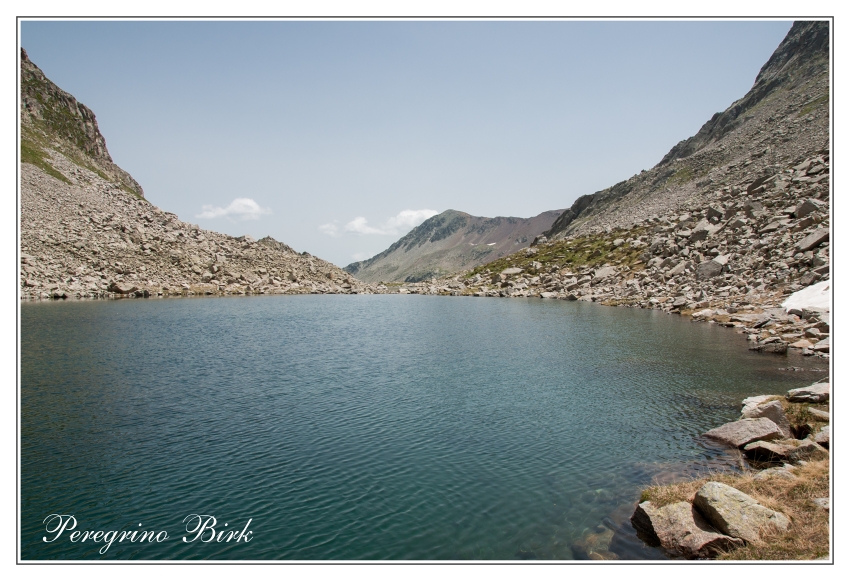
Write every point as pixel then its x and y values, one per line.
pixel 370 427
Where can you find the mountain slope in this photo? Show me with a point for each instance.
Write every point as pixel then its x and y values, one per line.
pixel 87 230
pixel 784 117
pixel 450 242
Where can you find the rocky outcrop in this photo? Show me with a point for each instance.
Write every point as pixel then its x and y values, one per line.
pixel 735 513
pixel 448 243
pixel 52 120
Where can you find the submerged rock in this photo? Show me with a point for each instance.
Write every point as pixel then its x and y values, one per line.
pixel 736 514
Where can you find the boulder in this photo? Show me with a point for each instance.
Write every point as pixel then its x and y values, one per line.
pixel 807 450
pixel 510 271
pixel 816 393
pixel 753 402
pixel 822 437
pixel 767 451
pixel 822 346
pixel 679 529
pixel 680 268
pixel 123 288
pixel 736 514
pixel 604 273
pixel 782 472
pixel 744 431
pixel 709 269
pixel 821 503
pixel 774 412
pixel 819 414
pixel 813 240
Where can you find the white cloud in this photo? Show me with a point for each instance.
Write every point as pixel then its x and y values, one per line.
pixel 243 208
pixel 330 230
pixel 401 223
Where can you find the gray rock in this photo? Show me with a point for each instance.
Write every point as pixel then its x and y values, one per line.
pixel 511 271
pixel 822 437
pixel 744 431
pixel 813 240
pixel 679 529
pixel 774 412
pixel 819 414
pixel 807 207
pixel 822 503
pixel 679 302
pixel 123 288
pixel 781 472
pixel 753 402
pixel 604 273
pixel 680 268
pixel 808 450
pixel 822 346
pixel 709 269
pixel 817 393
pixel 736 514
pixel 767 451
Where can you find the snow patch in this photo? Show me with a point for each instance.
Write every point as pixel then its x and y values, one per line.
pixel 817 296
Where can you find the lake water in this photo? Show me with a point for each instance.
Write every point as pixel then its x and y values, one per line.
pixel 366 427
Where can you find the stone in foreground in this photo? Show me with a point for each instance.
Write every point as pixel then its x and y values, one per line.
pixel 679 529
pixel 753 402
pixel 744 431
pixel 767 451
pixel 822 437
pixel 774 412
pixel 808 450
pixel 736 514
pixel 816 393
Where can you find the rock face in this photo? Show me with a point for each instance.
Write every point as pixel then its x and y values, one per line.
pixel 448 243
pixel 736 514
pixel 680 530
pixel 817 393
pixel 744 431
pixel 772 411
pixel 52 119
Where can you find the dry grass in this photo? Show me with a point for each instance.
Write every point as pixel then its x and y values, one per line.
pixel 808 536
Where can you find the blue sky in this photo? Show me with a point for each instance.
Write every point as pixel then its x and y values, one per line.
pixel 337 137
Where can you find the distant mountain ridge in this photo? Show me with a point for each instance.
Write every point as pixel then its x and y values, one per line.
pixel 450 242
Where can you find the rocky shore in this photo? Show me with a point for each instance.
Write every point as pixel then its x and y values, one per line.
pixel 786 441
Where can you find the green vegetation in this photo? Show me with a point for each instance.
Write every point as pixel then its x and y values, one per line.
pixel 33 154
pixel 583 251
pixel 812 105
pixel 682 176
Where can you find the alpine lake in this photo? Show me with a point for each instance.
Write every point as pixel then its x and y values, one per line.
pixel 366 427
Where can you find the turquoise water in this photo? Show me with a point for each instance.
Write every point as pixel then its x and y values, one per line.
pixel 365 427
